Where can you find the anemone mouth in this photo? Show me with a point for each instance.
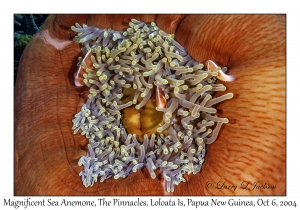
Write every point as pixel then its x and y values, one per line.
pixel 150 104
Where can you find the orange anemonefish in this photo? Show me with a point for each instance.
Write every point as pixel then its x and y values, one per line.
pixel 160 98
pixel 212 66
pixel 78 76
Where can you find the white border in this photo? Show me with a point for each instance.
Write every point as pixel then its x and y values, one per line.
pixel 157 6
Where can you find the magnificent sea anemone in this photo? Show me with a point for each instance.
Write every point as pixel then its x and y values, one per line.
pixel 250 149
pixel 124 70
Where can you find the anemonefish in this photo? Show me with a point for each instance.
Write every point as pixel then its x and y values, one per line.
pixel 160 98
pixel 212 66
